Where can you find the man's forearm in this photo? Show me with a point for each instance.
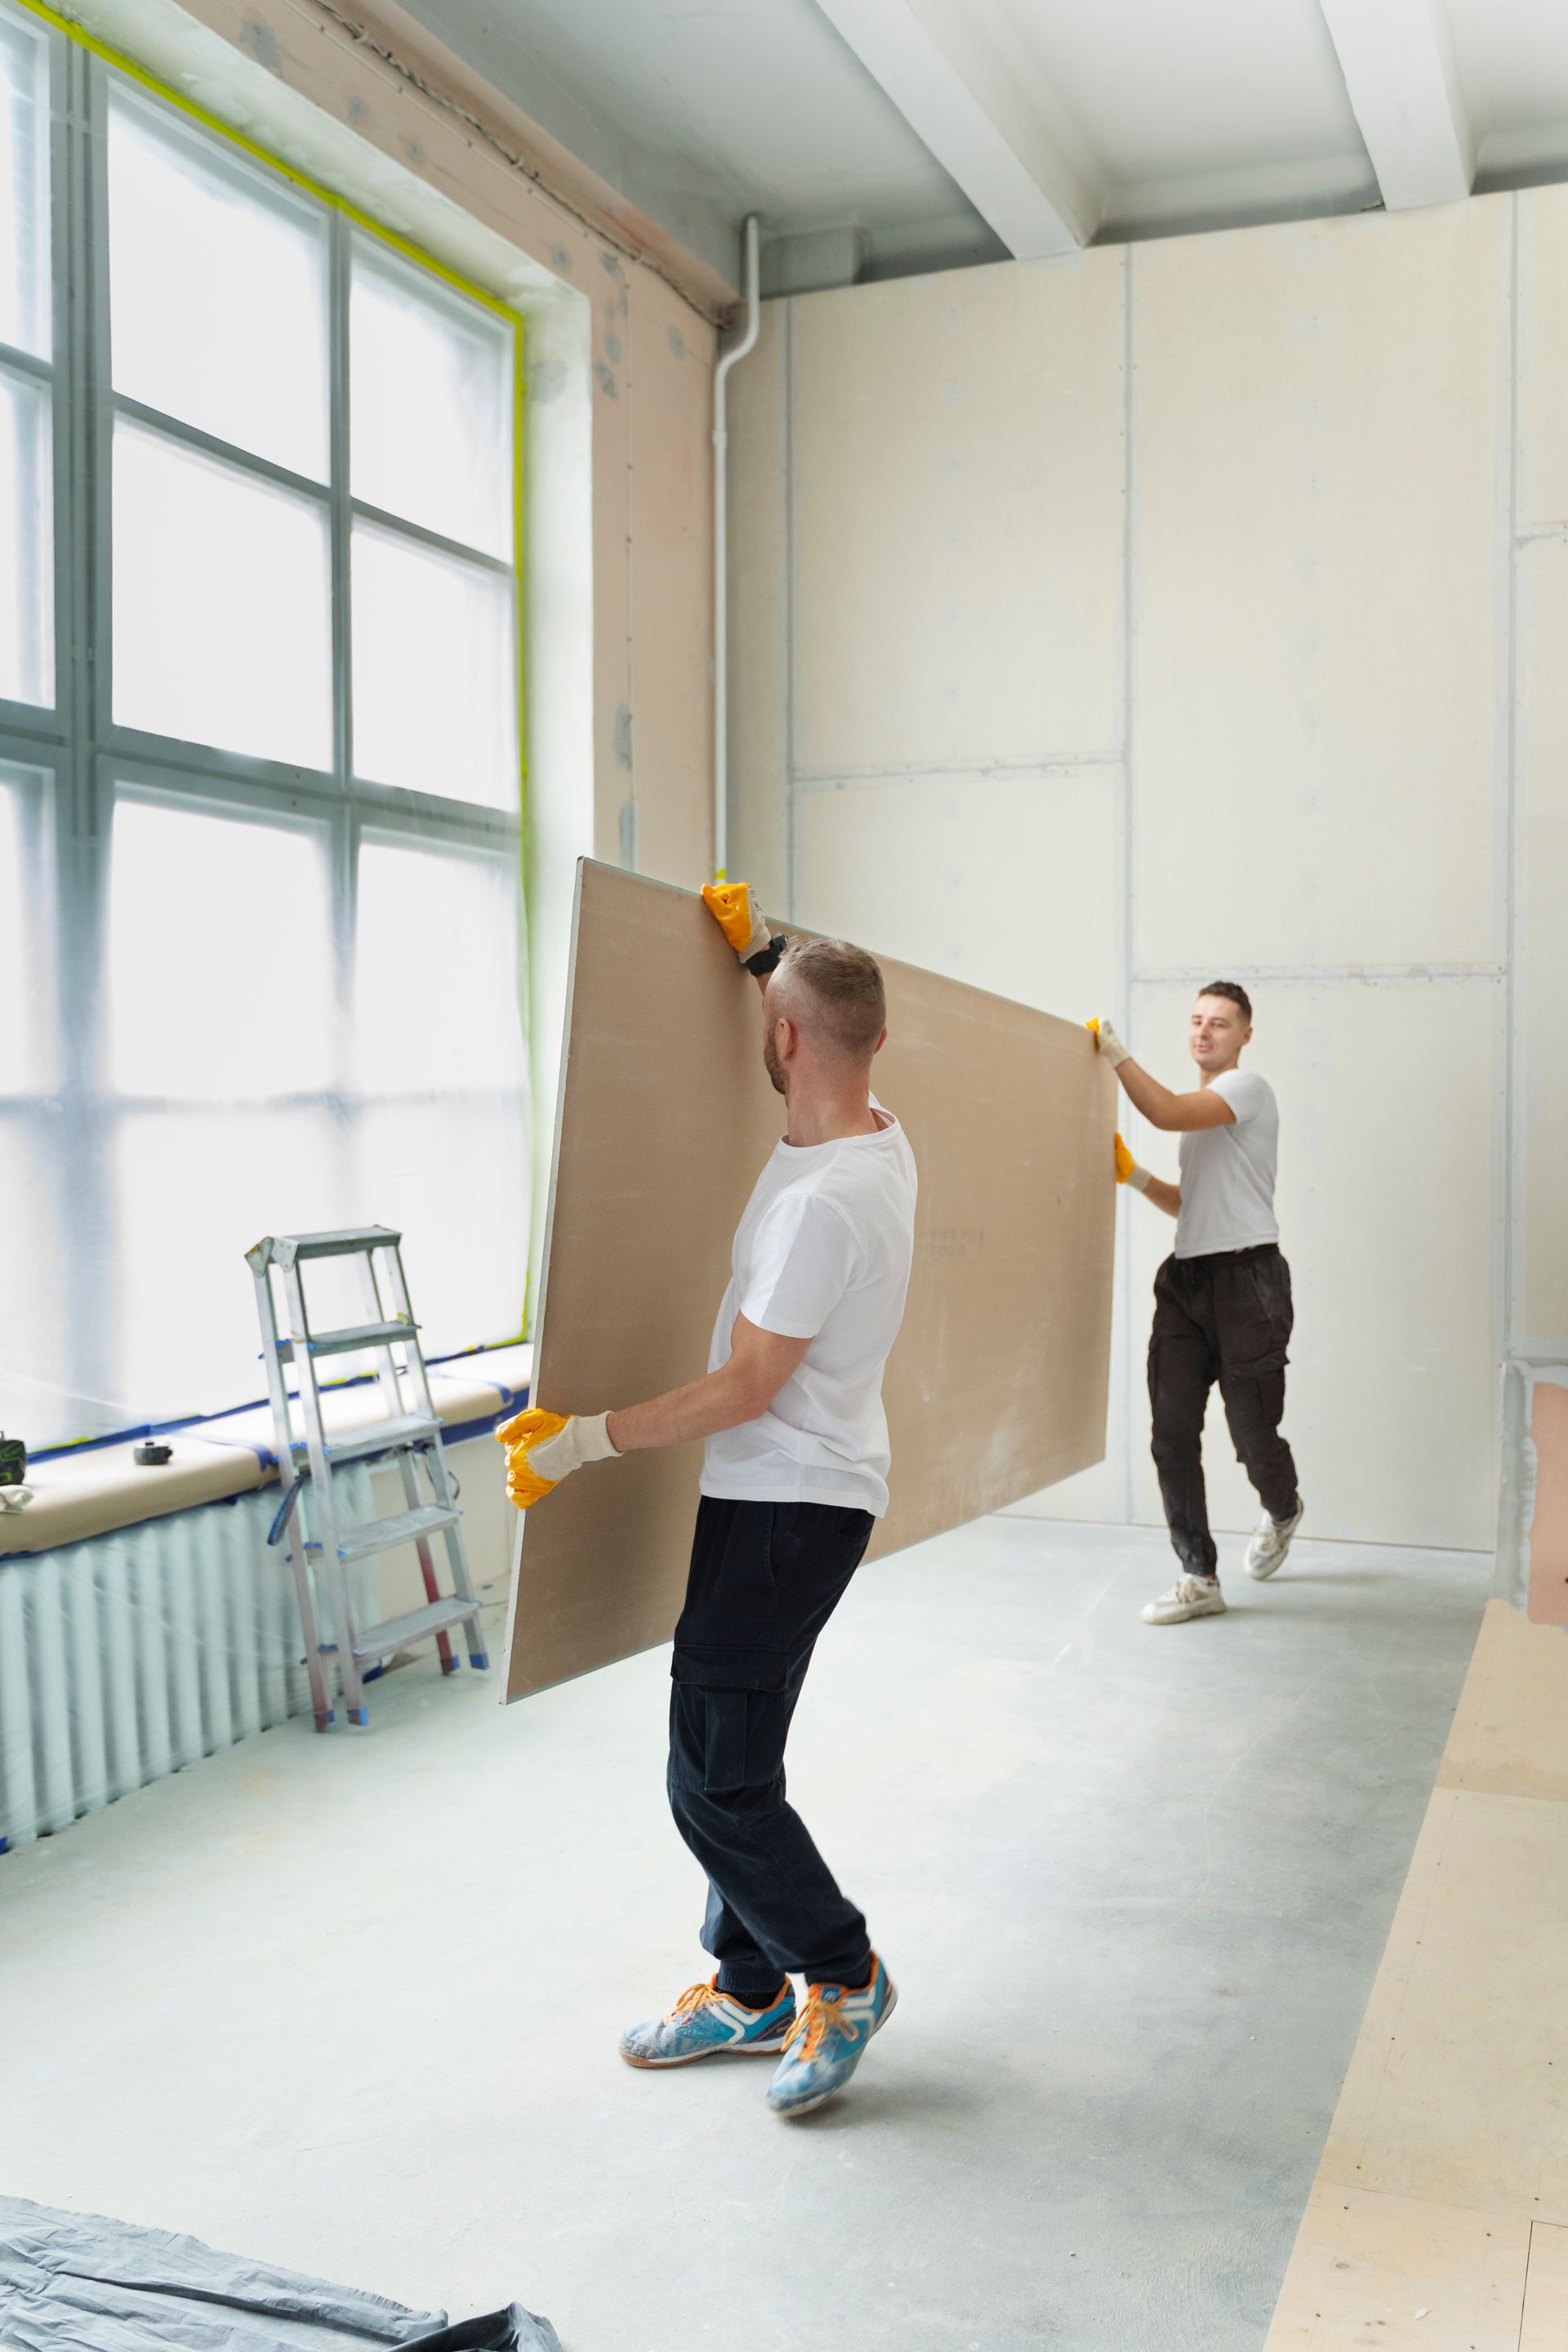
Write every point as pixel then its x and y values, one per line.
pixel 721 1399
pixel 1164 1196
pixel 1156 1102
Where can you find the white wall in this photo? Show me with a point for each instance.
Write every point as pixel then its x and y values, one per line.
pixel 1197 609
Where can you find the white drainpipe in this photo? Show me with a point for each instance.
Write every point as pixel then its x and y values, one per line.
pixel 721 561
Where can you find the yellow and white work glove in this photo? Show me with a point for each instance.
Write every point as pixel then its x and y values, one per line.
pixel 1109 1043
pixel 1128 1171
pixel 733 906
pixel 542 1448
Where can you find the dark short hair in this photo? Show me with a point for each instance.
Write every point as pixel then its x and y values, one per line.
pixel 844 985
pixel 1237 993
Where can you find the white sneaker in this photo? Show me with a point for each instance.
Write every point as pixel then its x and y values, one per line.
pixel 1190 1596
pixel 1272 1541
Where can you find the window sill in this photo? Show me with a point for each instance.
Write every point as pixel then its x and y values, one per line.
pixel 76 1495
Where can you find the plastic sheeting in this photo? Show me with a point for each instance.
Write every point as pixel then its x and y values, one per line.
pixel 77 2282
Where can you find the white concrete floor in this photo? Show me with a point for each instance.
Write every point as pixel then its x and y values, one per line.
pixel 350 2003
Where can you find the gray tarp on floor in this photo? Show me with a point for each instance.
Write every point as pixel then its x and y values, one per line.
pixel 76 2283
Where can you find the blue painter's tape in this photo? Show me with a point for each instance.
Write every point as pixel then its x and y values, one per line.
pixel 468 1357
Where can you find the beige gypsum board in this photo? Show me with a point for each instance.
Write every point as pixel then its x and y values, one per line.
pixel 998 1384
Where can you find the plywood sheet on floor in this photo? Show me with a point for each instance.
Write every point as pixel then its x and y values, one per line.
pixel 1447 2164
pixel 1458 2089
pixel 997 1385
pixel 1400 2274
pixel 1511 1733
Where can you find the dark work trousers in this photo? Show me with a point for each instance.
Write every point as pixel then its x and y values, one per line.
pixel 1227 1318
pixel 764 1580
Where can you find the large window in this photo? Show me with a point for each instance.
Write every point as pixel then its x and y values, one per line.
pixel 260 918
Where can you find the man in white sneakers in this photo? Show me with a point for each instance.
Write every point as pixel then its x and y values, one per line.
pixel 794 1477
pixel 1222 1299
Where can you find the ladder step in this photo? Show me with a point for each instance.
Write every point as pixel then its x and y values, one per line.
pixel 384 1535
pixel 375 1437
pixel 339 1343
pixel 337 1244
pixel 416 1625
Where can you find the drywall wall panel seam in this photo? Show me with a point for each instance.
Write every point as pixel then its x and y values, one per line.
pixel 625 743
pixel 1045 763
pixel 1512 843
pixel 1123 1307
pixel 1506 1161
pixel 1505 797
pixel 1390 975
pixel 792 590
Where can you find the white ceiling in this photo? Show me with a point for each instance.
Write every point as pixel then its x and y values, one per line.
pixel 1200 111
pixel 952 132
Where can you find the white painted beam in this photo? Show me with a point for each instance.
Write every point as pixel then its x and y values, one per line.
pixel 1398 64
pixel 944 73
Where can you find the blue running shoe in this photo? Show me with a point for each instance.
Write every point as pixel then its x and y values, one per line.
pixel 829 2040
pixel 705 2021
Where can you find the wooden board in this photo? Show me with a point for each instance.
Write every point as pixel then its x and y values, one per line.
pixel 997 1385
pixel 1439 2219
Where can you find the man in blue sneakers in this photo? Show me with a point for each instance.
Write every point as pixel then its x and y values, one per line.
pixel 794 1480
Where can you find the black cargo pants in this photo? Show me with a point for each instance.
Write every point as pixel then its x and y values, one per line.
pixel 764 1580
pixel 1225 1317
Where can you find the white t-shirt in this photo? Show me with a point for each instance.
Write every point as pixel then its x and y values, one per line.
pixel 1227 1172
pixel 822 1254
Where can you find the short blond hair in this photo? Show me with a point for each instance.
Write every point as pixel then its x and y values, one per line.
pixel 843 984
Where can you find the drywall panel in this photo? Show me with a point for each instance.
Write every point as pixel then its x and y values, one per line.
pixel 759 611
pixel 1100 1492
pixel 1004 880
pixel 1385 1214
pixel 998 1383
pixel 957 469
pixel 670 389
pixel 1319 556
pixel 1541 985
pixel 1094 1496
pixel 1543 355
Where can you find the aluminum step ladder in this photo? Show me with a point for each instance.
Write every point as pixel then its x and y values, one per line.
pixel 400 1419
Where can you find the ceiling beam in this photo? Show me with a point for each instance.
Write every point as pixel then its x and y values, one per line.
pixel 939 65
pixel 1398 64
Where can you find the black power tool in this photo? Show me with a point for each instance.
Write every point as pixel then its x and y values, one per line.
pixel 13 1460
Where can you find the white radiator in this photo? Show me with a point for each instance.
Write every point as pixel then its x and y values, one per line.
pixel 131 1656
